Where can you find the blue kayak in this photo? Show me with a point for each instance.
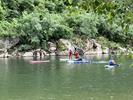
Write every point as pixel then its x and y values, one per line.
pixel 111 66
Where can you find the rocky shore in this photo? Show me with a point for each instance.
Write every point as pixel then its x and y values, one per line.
pixel 61 47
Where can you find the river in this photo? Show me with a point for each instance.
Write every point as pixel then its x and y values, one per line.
pixel 55 80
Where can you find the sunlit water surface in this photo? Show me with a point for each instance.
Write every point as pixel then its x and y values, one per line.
pixel 55 80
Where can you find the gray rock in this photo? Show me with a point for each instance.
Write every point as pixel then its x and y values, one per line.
pixel 7 42
pixel 92 47
pixel 52 47
pixel 28 54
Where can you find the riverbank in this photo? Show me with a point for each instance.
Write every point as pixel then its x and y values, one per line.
pixel 87 46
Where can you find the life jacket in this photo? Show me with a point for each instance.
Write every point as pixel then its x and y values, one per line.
pixel 76 55
pixel 70 52
pixel 111 62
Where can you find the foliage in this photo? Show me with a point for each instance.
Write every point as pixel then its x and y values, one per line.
pixel 34 30
pixel 8 28
pixel 89 24
pixel 106 43
pixel 24 47
pixel 36 22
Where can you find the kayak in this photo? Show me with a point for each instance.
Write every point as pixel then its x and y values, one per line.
pixel 99 62
pixel 111 66
pixel 83 61
pixel 64 59
pixel 38 61
pixel 78 62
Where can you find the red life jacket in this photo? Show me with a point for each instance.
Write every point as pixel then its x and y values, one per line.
pixel 70 52
pixel 76 55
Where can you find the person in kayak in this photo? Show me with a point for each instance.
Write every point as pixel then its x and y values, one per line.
pixel 112 62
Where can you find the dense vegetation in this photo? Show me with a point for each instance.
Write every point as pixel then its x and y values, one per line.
pixel 38 21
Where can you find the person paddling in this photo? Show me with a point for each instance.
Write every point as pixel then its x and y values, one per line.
pixel 112 62
pixel 77 56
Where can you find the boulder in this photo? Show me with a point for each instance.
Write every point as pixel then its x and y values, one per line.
pixel 16 53
pixel 52 47
pixel 2 55
pixel 63 53
pixel 92 47
pixel 122 50
pixel 98 48
pixel 28 54
pixel 5 55
pixel 39 53
pixel 52 54
pixel 8 42
pixel 106 50
pixel 89 45
pixel 64 44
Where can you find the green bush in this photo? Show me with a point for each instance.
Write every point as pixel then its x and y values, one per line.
pixel 34 21
pixel 24 47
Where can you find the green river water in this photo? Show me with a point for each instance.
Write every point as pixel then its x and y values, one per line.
pixel 55 80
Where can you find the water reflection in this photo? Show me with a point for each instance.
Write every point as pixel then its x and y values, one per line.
pixel 111 70
pixel 20 80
